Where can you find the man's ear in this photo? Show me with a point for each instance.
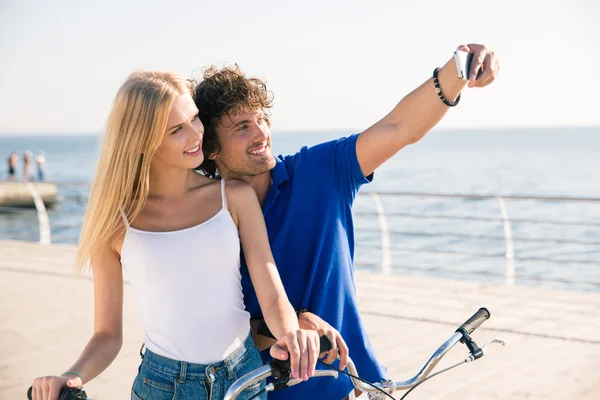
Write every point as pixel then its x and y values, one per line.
pixel 212 156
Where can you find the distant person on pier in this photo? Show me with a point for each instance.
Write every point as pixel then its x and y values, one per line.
pixel 40 160
pixel 12 166
pixel 26 164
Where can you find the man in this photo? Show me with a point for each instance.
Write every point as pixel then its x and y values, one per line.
pixel 40 160
pixel 307 198
pixel 26 164
pixel 12 166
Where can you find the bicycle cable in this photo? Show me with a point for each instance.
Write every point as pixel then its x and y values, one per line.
pixel 257 394
pixel 431 376
pixel 356 377
pixel 385 393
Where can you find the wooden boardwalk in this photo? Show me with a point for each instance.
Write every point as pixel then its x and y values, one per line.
pixel 552 352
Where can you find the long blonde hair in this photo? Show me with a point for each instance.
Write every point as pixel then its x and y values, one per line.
pixel 134 131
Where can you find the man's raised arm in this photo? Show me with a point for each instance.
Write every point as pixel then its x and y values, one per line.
pixel 422 109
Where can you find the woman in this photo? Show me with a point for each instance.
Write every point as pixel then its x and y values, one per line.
pixel 175 233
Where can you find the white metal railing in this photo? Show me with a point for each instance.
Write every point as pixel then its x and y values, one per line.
pixel 385 232
pixel 510 248
pixel 44 223
pixel 386 254
pixel 490 196
pixel 509 252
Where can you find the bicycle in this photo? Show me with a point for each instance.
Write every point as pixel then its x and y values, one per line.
pixel 280 370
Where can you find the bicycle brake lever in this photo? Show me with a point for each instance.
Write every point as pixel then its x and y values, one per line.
pixel 483 348
pixel 492 341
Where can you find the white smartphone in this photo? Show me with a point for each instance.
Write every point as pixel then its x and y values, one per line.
pixel 463 59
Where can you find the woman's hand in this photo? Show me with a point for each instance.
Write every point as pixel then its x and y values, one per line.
pixel 303 349
pixel 49 387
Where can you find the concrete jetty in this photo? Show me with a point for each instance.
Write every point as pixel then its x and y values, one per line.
pixel 552 351
pixel 18 194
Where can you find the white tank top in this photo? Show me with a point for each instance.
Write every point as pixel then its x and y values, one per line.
pixel 188 288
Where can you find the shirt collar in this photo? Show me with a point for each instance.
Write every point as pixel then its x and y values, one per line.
pixel 279 173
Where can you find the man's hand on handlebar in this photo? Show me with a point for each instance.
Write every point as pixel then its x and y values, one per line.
pixel 303 348
pixel 308 320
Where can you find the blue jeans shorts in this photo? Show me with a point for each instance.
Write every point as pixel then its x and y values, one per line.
pixel 162 378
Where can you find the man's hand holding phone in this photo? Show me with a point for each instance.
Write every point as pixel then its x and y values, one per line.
pixel 476 63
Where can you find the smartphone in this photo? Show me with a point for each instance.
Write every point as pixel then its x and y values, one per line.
pixel 463 59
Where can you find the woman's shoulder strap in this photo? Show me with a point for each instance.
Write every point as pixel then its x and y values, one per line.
pixel 223 194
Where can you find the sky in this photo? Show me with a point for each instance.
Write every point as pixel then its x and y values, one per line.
pixel 332 65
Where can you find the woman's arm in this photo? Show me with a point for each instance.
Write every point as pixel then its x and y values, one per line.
pixel 302 345
pixel 105 343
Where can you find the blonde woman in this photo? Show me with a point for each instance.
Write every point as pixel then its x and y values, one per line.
pixel 177 235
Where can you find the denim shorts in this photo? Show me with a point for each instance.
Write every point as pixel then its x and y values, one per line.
pixel 162 378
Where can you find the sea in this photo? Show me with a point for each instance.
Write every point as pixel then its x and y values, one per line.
pixel 432 224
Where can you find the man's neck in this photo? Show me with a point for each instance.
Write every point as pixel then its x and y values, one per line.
pixel 261 185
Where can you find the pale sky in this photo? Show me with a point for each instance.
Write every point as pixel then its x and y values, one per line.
pixel 332 65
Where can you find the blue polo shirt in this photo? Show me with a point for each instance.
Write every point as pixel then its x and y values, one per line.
pixel 308 212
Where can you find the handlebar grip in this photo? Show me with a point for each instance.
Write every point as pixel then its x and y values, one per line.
pixel 324 344
pixel 475 321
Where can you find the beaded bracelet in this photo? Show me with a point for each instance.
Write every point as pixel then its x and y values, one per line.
pixel 438 89
pixel 72 373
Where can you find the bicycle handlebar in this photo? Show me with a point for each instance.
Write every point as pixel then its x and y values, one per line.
pixel 459 335
pixel 281 372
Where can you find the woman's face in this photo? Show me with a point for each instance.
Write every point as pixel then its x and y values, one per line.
pixel 181 145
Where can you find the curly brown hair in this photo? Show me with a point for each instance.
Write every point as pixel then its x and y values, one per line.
pixel 226 91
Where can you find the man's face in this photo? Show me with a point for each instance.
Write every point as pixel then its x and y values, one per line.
pixel 245 146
